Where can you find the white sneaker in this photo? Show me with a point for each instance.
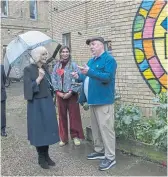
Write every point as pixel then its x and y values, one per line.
pixel 61 143
pixel 76 141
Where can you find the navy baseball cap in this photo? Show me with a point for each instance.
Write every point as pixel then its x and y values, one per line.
pixel 95 39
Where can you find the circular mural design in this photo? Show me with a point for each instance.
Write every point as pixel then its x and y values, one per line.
pixel 150 43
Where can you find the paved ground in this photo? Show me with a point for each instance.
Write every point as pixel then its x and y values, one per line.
pixel 18 158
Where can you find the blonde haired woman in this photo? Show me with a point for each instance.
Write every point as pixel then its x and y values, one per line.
pixel 41 114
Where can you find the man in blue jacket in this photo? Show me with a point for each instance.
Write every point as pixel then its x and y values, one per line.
pixel 98 90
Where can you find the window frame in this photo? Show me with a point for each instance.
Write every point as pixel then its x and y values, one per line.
pixel 66 36
pixel 4 50
pixel 7 9
pixel 36 11
pixel 106 45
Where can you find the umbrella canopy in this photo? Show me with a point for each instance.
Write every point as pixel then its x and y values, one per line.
pixel 18 51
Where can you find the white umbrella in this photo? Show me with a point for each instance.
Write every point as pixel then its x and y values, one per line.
pixel 18 51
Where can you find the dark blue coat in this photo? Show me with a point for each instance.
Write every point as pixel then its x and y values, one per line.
pixel 41 114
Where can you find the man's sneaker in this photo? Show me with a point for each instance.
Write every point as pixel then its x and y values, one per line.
pixel 106 164
pixel 76 141
pixel 96 155
pixel 61 143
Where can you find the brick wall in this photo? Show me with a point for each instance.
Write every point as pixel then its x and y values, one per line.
pixel 18 20
pixel 114 21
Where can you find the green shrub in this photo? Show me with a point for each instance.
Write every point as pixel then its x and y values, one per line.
pixel 130 124
pixel 160 133
pixel 127 117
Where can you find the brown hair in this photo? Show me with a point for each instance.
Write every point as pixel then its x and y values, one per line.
pixel 61 49
pixel 65 47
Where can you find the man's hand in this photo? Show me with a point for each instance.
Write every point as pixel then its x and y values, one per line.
pixel 75 75
pixel 60 94
pixel 67 95
pixel 84 69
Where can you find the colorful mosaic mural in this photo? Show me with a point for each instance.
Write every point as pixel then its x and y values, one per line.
pixel 150 43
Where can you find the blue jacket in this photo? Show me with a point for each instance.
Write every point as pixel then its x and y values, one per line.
pixel 101 75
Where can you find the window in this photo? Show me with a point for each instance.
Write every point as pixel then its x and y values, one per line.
pixel 4 50
pixel 4 8
pixel 3 53
pixel 66 39
pixel 107 46
pixel 33 9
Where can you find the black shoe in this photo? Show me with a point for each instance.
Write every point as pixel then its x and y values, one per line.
pixel 106 164
pixel 3 134
pixel 50 162
pixel 47 157
pixel 96 155
pixel 42 162
pixel 44 165
pixel 41 158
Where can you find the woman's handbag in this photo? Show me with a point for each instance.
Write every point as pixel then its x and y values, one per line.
pixel 50 87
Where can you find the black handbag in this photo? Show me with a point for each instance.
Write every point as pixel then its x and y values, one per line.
pixel 49 81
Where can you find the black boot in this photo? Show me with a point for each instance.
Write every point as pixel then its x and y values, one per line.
pixel 41 157
pixel 3 132
pixel 47 157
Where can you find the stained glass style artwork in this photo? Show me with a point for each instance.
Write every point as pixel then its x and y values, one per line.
pixel 150 43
